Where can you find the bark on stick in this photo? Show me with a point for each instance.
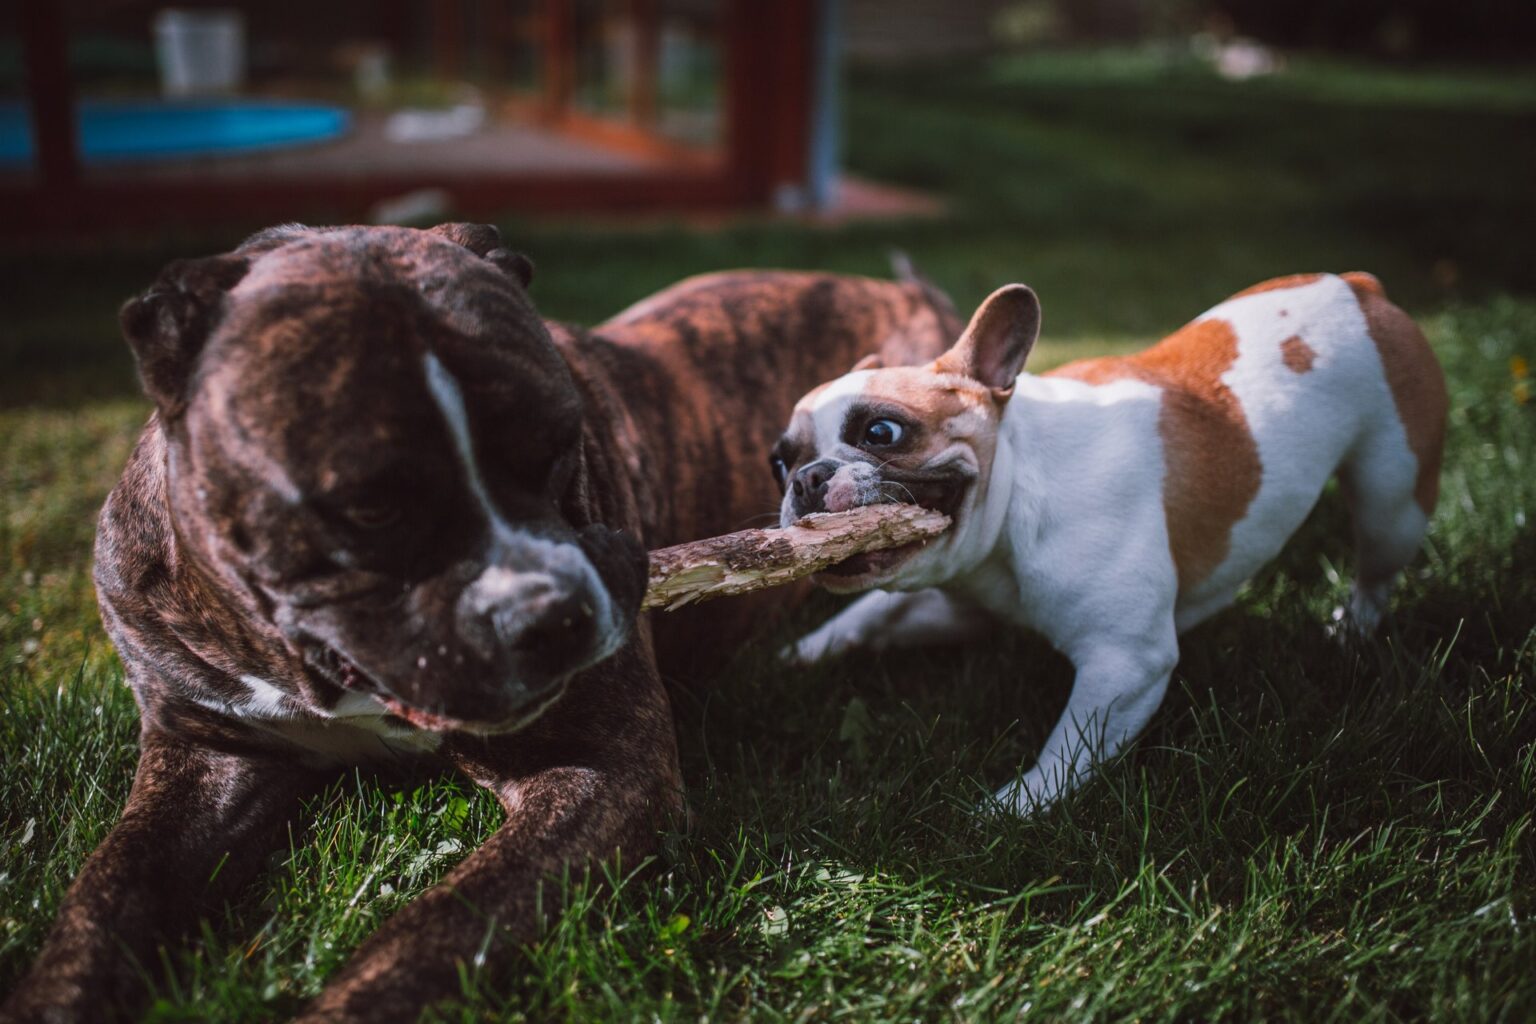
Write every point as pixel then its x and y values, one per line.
pixel 739 563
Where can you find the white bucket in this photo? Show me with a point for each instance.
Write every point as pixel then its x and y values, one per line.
pixel 200 52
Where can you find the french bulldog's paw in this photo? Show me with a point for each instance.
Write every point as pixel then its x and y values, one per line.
pixel 1337 628
pixel 1005 803
pixel 805 652
pixel 990 810
pixel 1026 797
pixel 1348 625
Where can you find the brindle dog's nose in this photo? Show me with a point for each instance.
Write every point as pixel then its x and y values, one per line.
pixel 809 485
pixel 554 639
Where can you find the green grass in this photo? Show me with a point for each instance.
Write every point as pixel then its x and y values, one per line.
pixel 1306 832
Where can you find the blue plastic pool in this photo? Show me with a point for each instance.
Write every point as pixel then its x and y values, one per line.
pixel 112 131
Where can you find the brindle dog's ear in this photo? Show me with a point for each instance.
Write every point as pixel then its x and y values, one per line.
pixel 485 241
pixel 168 325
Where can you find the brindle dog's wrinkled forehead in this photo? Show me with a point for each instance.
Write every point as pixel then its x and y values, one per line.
pixel 319 361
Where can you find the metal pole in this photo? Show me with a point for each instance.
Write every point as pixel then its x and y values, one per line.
pixel 824 150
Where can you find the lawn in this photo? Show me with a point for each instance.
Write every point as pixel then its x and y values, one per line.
pixel 1308 831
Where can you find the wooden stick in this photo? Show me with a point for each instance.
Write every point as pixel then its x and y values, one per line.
pixel 739 563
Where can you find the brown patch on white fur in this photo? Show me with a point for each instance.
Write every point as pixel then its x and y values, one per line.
pixel 927 390
pixel 1275 284
pixel 1361 281
pixel 1415 379
pixel 1212 460
pixel 1297 354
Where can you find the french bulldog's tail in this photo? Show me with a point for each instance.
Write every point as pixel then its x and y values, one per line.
pixel 907 273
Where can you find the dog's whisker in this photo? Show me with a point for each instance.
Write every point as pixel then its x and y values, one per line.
pixel 760 517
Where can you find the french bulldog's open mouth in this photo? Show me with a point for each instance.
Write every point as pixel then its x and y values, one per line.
pixel 941 492
pixel 872 564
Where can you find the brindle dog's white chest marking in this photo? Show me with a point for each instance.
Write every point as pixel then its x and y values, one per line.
pixel 358 728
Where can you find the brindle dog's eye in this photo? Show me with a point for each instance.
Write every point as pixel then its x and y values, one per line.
pixel 780 470
pixel 881 433
pixel 373 517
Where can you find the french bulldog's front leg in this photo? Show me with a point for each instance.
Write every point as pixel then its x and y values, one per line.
pixel 197 824
pixel 882 619
pixel 599 777
pixel 1119 684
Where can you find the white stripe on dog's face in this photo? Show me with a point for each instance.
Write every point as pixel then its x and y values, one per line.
pixel 516 548
pixel 450 401
pixel 816 427
pixel 828 407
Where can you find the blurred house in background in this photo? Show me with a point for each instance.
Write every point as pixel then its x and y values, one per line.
pixel 121 111
pixel 118 112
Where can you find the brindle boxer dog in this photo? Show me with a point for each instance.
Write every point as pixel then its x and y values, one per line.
pixel 384 512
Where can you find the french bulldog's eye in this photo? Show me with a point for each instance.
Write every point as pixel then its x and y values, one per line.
pixel 780 470
pixel 373 517
pixel 881 433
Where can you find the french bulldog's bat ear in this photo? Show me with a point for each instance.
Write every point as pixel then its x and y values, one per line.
pixel 168 325
pixel 485 241
pixel 995 344
pixel 869 362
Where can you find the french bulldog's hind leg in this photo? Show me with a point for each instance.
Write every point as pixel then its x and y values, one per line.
pixel 1392 472
pixel 882 619
pixel 1389 525
pixel 1115 693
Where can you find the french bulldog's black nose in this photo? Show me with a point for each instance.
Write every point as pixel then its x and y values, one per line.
pixel 809 486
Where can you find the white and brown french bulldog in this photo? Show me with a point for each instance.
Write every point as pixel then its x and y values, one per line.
pixel 1114 503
